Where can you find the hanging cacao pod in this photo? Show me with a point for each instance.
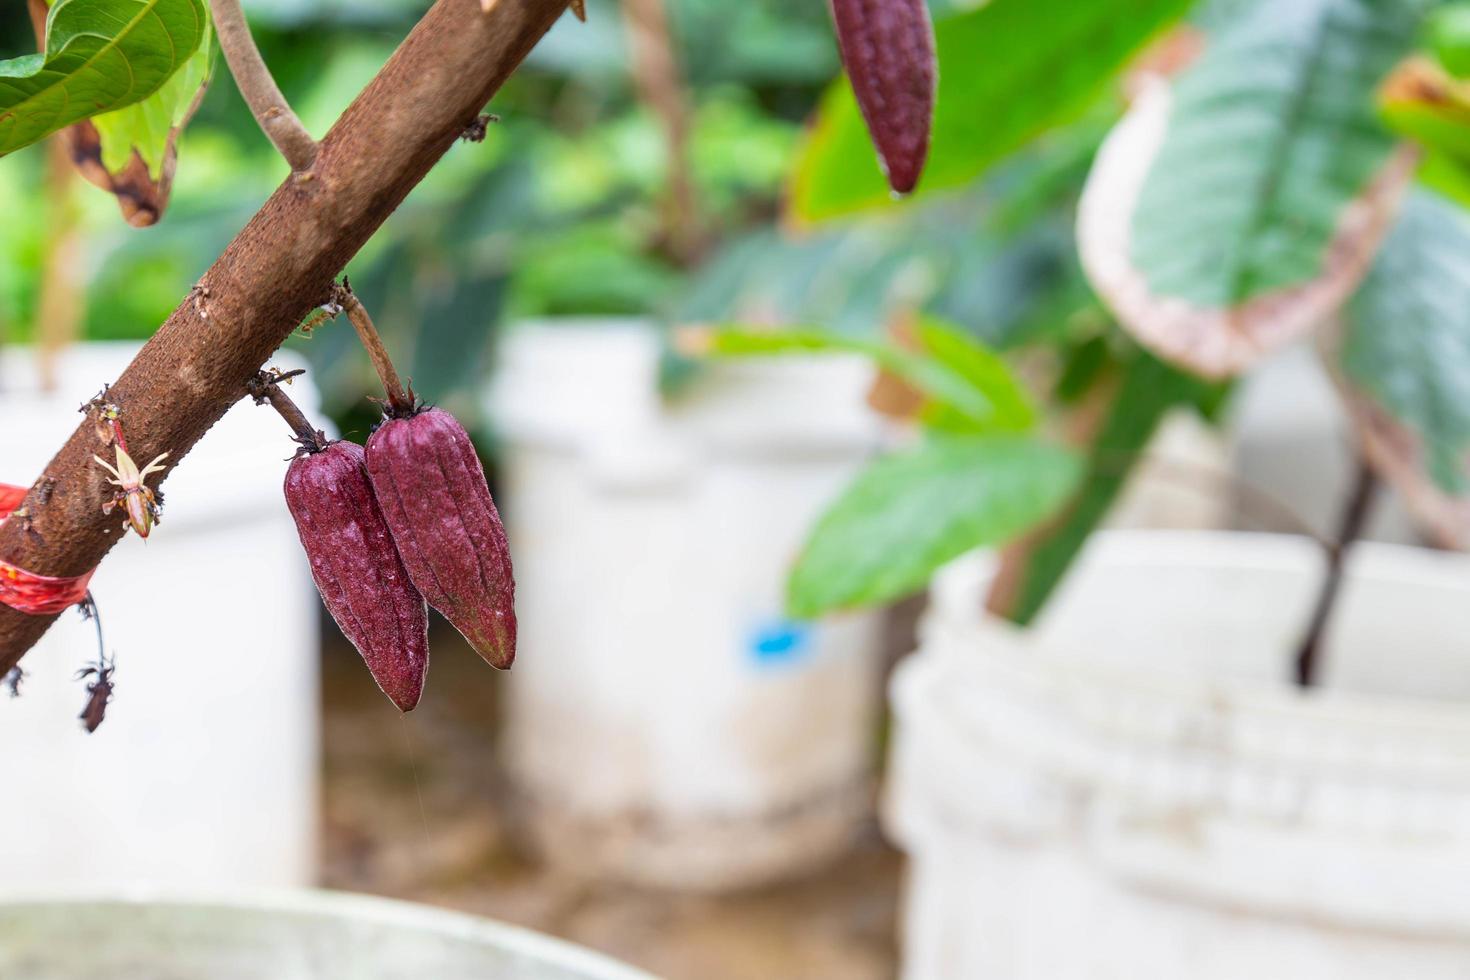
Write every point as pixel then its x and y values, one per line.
pixel 888 50
pixel 434 496
pixel 357 569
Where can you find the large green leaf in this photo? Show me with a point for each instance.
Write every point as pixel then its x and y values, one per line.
pixel 101 55
pixel 1405 358
pixel 151 126
pixel 1233 212
pixel 1007 71
pixel 132 152
pixel 911 512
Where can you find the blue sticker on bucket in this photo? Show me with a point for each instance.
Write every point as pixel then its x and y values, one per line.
pixel 780 642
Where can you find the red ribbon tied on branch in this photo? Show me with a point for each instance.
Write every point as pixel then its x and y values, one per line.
pixel 27 592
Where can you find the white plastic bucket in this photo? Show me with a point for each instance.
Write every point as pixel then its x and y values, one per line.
pixel 205 770
pixel 289 936
pixel 1133 791
pixel 666 723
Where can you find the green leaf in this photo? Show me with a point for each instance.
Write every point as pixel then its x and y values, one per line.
pixel 101 55
pixel 1422 102
pixel 1233 212
pixel 1406 349
pixel 970 389
pixel 1446 175
pixel 960 355
pixel 1448 31
pixel 1270 136
pixel 1147 390
pixel 151 126
pixel 1008 71
pixel 913 511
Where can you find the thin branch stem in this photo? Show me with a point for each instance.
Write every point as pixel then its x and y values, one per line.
pixel 266 387
pixel 259 88
pixel 660 84
pixel 400 399
pixel 1307 664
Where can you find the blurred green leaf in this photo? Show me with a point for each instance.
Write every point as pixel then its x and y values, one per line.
pixel 1448 31
pixel 593 268
pixel 1406 342
pixel 911 512
pixel 326 14
pixel 967 387
pixel 452 341
pixel 960 355
pixel 100 55
pixel 1271 135
pixel 1420 101
pixel 1446 175
pixel 1008 71
pixel 756 42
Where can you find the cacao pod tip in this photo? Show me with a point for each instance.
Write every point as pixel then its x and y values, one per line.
pixel 888 49
pixel 903 182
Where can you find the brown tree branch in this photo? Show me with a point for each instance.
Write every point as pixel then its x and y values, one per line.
pixel 280 266
pixel 258 86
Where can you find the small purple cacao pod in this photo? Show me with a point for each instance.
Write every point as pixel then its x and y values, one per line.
pixel 357 570
pixel 433 493
pixel 888 50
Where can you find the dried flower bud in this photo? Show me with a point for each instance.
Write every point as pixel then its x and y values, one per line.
pixel 433 493
pixel 357 570
pixel 888 51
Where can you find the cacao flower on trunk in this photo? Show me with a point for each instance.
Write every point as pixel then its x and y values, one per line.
pixel 888 50
pixel 433 493
pixel 357 569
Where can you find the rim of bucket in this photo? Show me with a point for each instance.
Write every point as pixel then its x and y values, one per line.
pixel 344 905
pixel 953 621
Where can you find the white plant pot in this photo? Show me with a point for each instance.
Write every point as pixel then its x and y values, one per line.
pixel 1133 791
pixel 666 723
pixel 278 936
pixel 205 770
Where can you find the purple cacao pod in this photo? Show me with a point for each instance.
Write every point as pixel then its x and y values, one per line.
pixel 357 569
pixel 888 50
pixel 433 493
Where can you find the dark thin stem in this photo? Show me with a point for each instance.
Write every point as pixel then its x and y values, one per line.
pixel 1350 528
pixel 266 387
pixel 400 400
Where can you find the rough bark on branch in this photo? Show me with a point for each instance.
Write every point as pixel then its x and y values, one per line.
pixel 279 267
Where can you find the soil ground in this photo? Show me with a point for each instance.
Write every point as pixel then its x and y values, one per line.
pixel 413 809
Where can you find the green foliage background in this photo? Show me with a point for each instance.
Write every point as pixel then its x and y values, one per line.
pixel 555 213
